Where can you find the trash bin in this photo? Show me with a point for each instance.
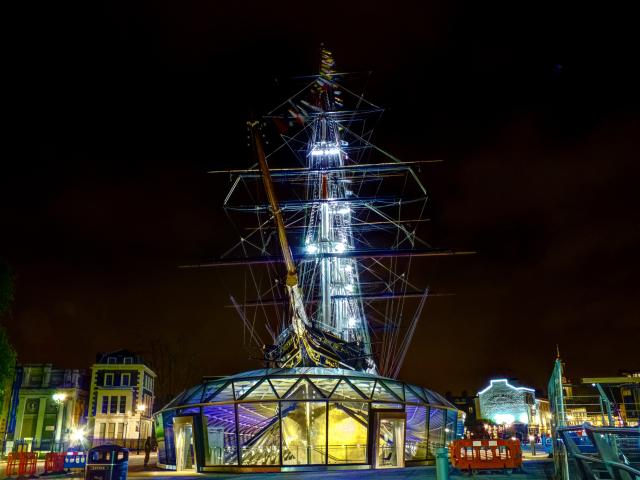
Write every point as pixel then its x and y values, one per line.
pixel 107 462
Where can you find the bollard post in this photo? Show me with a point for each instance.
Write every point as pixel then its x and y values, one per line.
pixel 442 463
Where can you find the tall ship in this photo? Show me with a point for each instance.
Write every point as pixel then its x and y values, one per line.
pixel 335 272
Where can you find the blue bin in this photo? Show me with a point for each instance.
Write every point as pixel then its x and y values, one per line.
pixel 107 462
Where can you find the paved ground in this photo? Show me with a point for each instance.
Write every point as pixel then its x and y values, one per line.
pixel 538 469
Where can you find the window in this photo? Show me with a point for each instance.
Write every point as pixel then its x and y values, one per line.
pixel 112 360
pixel 125 380
pixel 123 404
pixel 102 429
pixel 111 432
pixel 113 408
pixel 121 430
pixel 128 360
pixel 108 379
pixel 105 404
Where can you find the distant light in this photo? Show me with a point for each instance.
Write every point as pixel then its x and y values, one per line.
pixel 325 151
pixel 311 248
pixel 351 322
pixel 141 408
pixel 77 435
pixel 513 438
pixel 447 430
pixel 504 418
pixel 531 438
pixel 344 211
pixel 339 247
pixel 59 397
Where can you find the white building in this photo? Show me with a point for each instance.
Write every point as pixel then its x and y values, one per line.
pixel 121 399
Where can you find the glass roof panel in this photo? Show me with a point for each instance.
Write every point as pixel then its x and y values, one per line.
pixel 210 389
pixel 381 393
pixel 223 395
pixel 395 387
pixel 282 385
pixel 344 391
pixel 243 386
pixel 325 385
pixel 261 392
pixel 364 385
pixel 304 390
pixel 410 395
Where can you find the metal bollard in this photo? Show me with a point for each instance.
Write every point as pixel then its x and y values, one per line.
pixel 442 463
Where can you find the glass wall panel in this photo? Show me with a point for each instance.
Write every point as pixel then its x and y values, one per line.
pixel 416 438
pixel 220 447
pixel 304 433
pixel 169 457
pixel 259 433
pixel 451 425
pixel 436 430
pixel 348 432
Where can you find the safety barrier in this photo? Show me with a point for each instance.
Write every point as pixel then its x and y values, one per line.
pixel 13 462
pixel 22 464
pixel 54 462
pixel 475 455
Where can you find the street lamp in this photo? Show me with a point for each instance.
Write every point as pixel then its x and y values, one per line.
pixel 59 398
pixel 140 409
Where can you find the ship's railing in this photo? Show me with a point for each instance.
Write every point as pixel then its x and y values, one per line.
pixel 592 453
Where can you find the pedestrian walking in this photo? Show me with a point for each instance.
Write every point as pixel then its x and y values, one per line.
pixel 147 451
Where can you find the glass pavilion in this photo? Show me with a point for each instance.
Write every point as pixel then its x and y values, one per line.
pixel 299 418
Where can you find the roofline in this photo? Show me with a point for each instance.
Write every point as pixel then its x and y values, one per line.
pixel 506 382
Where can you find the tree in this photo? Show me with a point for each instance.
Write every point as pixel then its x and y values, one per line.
pixel 7 352
pixel 7 360
pixel 6 288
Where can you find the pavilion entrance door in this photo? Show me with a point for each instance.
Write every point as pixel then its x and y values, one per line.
pixel 389 440
pixel 184 442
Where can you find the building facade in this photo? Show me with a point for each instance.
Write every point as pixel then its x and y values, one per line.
pixel 512 406
pixel 46 405
pixel 121 399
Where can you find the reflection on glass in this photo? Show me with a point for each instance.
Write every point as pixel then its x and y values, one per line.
pixel 436 430
pixel 259 432
pixel 220 435
pixel 348 427
pixel 416 442
pixel 304 432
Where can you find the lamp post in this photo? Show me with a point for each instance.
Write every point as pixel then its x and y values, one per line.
pixel 140 409
pixel 59 398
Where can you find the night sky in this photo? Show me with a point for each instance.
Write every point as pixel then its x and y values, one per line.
pixel 118 109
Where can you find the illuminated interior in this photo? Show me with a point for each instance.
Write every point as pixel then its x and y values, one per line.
pixel 306 417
